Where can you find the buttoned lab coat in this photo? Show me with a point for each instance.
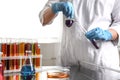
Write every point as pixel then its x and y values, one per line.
pixel 78 52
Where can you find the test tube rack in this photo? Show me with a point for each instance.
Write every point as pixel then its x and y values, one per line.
pixel 14 53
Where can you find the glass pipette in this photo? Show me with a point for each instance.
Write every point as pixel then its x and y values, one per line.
pixel 84 31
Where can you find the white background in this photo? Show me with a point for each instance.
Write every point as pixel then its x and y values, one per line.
pixel 19 19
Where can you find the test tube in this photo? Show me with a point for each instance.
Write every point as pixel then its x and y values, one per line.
pixel 84 31
pixel 94 43
pixel 37 53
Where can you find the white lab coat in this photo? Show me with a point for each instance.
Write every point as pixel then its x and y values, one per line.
pixel 75 48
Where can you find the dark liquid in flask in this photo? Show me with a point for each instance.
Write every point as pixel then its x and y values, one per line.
pixel 69 22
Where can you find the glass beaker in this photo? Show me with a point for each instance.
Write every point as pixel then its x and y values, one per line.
pixel 58 74
pixel 28 70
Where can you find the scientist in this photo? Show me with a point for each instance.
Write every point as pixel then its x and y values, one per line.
pixel 101 20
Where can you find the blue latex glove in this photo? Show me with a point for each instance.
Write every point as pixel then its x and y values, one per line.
pixel 99 34
pixel 65 7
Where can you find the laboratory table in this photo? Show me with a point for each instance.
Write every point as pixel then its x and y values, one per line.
pixel 41 74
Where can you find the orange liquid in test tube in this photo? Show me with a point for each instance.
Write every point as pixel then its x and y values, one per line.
pixel 17 54
pixel 14 54
pixel 21 51
pixel 33 52
pixel 11 54
pixel 37 52
pixel 11 62
pixel 15 60
pixel 4 50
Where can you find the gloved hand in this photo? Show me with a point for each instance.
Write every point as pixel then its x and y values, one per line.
pixel 65 7
pixel 99 34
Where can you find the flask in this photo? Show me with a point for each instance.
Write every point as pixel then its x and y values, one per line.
pixel 69 22
pixel 28 70
pixel 1 68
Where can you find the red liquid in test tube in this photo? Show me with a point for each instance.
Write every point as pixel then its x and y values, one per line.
pixel 1 72
pixel 1 68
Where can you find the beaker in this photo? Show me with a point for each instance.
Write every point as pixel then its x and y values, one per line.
pixel 58 74
pixel 28 70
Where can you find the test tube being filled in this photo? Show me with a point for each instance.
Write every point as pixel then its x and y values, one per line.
pixel 84 31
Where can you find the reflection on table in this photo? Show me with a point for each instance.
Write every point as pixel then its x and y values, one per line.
pixel 17 76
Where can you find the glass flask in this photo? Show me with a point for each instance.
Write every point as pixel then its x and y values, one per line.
pixel 69 22
pixel 28 70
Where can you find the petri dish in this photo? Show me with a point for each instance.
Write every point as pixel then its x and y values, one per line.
pixel 58 74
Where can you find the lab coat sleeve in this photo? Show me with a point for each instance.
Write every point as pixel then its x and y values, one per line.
pixel 42 12
pixel 116 20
